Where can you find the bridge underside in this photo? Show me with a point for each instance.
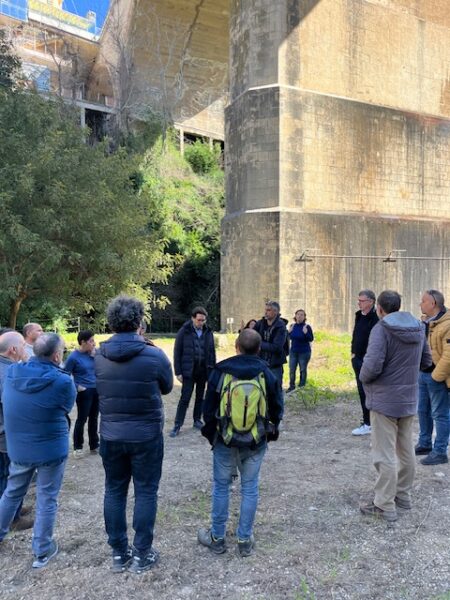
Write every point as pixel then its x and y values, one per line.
pixel 337 131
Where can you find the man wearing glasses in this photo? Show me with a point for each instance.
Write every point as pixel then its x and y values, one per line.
pixel 435 381
pixel 194 357
pixel 365 319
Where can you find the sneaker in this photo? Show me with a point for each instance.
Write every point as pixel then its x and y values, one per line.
pixel 42 561
pixel 175 431
pixel 144 563
pixel 371 510
pixel 290 389
pixel 22 523
pixel 206 538
pixel 363 429
pixel 121 561
pixel 78 453
pixel 419 450
pixel 404 503
pixel 93 451
pixel 434 459
pixel 245 547
pixel 198 424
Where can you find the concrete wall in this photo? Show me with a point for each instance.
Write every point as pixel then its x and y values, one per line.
pixel 338 141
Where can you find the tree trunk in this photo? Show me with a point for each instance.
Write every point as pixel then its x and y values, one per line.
pixel 14 311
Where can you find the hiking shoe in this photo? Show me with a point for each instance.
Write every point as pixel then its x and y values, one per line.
pixel 198 424
pixel 370 510
pixel 42 561
pixel 404 503
pixel 144 563
pixel 120 562
pixel 206 538
pixel 434 459
pixel 175 431
pixel 22 523
pixel 363 429
pixel 419 450
pixel 245 547
pixel 78 453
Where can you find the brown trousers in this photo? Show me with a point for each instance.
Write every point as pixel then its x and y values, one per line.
pixel 393 458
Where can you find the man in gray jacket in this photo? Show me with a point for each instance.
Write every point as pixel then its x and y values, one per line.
pixel 397 349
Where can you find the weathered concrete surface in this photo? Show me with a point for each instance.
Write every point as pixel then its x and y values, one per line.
pixel 338 140
pixel 170 58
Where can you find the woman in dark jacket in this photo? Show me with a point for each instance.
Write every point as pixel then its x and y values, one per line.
pixel 301 336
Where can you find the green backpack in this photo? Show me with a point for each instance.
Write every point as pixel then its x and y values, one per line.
pixel 242 414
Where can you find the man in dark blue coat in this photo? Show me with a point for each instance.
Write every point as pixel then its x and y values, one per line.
pixel 131 375
pixel 37 398
pixel 194 357
pixel 245 366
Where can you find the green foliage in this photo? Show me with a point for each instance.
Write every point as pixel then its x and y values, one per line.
pixel 74 227
pixel 190 210
pixel 10 66
pixel 202 158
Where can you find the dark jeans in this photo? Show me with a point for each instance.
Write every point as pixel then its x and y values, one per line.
pixel 357 364
pixel 4 474
pixel 300 359
pixel 198 379
pixel 122 461
pixel 87 405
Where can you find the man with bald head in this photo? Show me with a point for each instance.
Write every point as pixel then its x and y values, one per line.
pixel 31 332
pixel 37 397
pixel 12 349
pixel 246 452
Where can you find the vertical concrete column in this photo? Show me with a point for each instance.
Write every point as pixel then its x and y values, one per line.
pixel 250 235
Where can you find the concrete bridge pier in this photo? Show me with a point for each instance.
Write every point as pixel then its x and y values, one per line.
pixel 338 143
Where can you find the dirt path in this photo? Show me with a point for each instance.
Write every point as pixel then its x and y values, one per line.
pixel 312 543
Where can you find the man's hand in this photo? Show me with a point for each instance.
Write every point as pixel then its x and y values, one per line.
pixel 353 356
pixel 180 378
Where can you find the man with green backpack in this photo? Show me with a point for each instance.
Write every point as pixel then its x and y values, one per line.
pixel 242 410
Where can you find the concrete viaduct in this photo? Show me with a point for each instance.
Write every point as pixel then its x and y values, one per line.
pixel 336 120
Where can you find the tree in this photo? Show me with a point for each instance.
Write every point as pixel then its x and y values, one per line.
pixel 10 66
pixel 74 225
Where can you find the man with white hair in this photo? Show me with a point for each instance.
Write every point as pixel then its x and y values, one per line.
pixel 31 332
pixel 37 398
pixel 12 349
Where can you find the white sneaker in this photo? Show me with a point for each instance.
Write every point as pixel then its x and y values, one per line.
pixel 362 430
pixel 78 453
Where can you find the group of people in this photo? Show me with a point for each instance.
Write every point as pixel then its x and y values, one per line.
pixel 402 368
pixel 125 378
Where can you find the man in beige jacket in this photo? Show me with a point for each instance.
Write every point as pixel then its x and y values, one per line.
pixel 434 382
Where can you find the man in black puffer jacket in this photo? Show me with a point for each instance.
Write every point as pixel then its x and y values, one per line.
pixel 131 375
pixel 194 356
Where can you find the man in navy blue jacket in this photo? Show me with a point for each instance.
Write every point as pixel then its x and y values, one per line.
pixel 272 329
pixel 245 366
pixel 194 357
pixel 131 375
pixel 37 398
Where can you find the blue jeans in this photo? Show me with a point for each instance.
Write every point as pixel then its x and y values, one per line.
pixel 4 474
pixel 122 461
pixel 433 408
pixel 300 359
pixel 49 479
pixel 249 464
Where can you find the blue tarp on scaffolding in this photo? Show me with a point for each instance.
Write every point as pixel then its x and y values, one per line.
pixel 16 9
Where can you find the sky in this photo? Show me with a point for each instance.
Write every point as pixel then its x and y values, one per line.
pixel 81 7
